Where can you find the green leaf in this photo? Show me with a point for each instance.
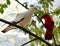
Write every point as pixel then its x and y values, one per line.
pixel 32 44
pixel 56 33
pixel 43 45
pixel 1 10
pixel 57 11
pixel 33 23
pixel 36 31
pixel 40 13
pixel 40 33
pixel 42 27
pixel 41 2
pixel 51 3
pixel 31 37
pixel 58 42
pixel 4 5
pixel 46 4
pixel 8 2
pixel 37 41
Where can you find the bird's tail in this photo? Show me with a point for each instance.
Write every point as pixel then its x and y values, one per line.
pixel 48 35
pixel 8 28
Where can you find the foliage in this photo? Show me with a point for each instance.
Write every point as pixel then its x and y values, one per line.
pixel 39 31
pixel 3 6
pixel 57 11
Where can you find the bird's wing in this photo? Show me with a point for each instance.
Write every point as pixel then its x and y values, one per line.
pixel 10 27
pixel 19 17
pixel 19 21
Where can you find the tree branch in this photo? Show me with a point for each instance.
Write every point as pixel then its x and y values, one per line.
pixel 29 41
pixel 25 30
pixel 21 4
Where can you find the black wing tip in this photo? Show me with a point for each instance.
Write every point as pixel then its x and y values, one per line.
pixel 3 31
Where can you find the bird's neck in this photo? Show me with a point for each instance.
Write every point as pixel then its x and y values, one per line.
pixel 31 11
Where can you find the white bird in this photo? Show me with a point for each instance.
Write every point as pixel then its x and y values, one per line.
pixel 24 17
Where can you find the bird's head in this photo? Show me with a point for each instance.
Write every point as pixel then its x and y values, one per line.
pixel 33 9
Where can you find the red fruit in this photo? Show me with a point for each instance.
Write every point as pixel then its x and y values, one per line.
pixel 49 24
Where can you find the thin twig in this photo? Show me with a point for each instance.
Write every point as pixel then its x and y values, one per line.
pixel 54 38
pixel 25 30
pixel 29 41
pixel 22 4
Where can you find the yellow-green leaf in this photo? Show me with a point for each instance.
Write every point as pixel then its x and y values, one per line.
pixel 8 2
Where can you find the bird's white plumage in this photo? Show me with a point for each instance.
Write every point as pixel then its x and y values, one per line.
pixel 26 15
pixel 27 18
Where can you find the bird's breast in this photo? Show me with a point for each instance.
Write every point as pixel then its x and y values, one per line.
pixel 26 21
